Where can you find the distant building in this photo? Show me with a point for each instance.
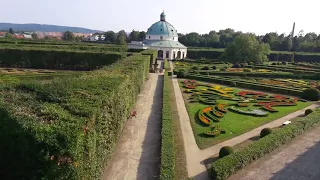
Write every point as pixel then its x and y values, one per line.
pixel 163 37
pixel 27 36
pixel 2 34
pixel 18 36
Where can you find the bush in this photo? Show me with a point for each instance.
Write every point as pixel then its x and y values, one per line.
pixel 284 63
pixel 233 84
pixel 181 74
pixel 264 132
pixel 311 94
pixel 308 111
pixel 213 67
pixel 73 119
pixel 205 68
pixel 224 167
pixel 225 151
pixel 236 66
pixel 223 69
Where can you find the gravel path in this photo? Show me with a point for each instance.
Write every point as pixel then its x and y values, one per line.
pixel 137 155
pixel 297 160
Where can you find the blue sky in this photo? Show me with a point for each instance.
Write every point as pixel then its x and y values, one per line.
pixel 258 16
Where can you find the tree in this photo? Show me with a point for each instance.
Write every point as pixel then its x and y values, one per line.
pixel 121 38
pixel 11 31
pixel 8 35
pixel 68 36
pixel 110 36
pixel 134 35
pixel 246 48
pixel 34 36
pixel 142 36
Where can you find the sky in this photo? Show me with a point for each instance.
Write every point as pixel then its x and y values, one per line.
pixel 202 16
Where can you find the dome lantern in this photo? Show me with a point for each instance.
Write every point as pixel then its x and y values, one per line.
pixel 163 16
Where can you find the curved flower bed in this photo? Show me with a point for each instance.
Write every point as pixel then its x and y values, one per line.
pixel 255 112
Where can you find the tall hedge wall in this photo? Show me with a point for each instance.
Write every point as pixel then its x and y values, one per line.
pixel 53 59
pixel 283 56
pixel 67 128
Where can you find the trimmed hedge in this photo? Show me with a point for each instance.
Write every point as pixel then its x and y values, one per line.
pixel 223 168
pixel 246 84
pixel 264 132
pixel 274 56
pixel 308 111
pixel 68 127
pixel 311 94
pixel 167 133
pixel 225 151
pixel 50 59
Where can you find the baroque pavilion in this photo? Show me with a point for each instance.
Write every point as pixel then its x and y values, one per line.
pixel 163 37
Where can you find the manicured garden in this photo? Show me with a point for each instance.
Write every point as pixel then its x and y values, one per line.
pixel 219 113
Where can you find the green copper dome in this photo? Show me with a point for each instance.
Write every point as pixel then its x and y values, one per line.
pixel 162 28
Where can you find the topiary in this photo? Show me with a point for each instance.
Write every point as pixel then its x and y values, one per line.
pixel 264 132
pixel 311 94
pixel 236 66
pixel 308 111
pixel 284 63
pixel 225 151
pixel 205 68
pixel 213 67
pixel 223 69
pixel 181 74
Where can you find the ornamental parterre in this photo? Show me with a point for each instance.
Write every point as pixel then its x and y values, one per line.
pixel 250 103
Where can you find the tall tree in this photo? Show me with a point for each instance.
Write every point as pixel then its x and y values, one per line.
pixel 68 36
pixel 110 36
pixel 34 36
pixel 142 36
pixel 134 35
pixel 121 37
pixel 11 31
pixel 246 48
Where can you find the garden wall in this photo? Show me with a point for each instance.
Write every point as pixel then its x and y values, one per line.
pixel 68 127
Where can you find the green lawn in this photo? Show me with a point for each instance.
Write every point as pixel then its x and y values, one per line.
pixel 234 124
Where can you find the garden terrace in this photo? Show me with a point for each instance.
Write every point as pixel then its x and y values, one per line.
pixel 68 127
pixel 219 113
pixel 55 59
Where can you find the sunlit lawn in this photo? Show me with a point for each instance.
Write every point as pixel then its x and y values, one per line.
pixel 234 124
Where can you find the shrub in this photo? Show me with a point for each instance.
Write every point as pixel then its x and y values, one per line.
pixel 284 63
pixel 225 151
pixel 264 132
pixel 223 69
pixel 308 111
pixel 224 167
pixel 274 63
pixel 311 94
pixel 205 68
pixel 195 68
pixel 181 74
pixel 213 67
pixel 236 65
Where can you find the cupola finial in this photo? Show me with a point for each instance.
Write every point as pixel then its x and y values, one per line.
pixel 163 16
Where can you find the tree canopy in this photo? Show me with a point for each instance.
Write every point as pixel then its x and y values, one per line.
pixel 246 48
pixel 68 36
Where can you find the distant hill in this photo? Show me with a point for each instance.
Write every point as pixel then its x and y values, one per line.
pixel 44 28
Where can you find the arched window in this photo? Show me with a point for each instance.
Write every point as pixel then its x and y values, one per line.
pixel 167 54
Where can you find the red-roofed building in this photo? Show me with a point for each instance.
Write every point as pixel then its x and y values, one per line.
pixel 18 36
pixel 2 34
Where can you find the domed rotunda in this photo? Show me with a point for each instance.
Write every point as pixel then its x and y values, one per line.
pixel 163 37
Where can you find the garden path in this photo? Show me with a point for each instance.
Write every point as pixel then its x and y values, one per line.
pixel 196 157
pixel 299 159
pixel 137 154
